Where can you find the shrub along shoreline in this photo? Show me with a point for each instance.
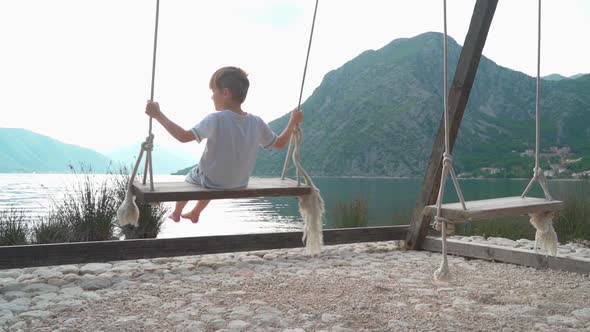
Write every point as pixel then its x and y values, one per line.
pixel 88 212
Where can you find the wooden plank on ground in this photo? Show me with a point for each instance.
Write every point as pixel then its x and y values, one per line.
pixel 494 208
pixel 481 20
pixel 183 191
pixel 105 251
pixel 508 255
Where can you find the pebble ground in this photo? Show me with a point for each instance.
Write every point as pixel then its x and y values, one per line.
pixel 356 287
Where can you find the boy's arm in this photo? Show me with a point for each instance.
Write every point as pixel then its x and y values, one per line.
pixel 294 121
pixel 153 109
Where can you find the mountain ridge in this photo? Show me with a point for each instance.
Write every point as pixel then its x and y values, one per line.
pixel 25 151
pixel 376 116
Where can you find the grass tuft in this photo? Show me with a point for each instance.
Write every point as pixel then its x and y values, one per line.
pixel 351 214
pixel 13 227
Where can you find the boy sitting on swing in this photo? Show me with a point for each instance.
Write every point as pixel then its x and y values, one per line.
pixel 233 137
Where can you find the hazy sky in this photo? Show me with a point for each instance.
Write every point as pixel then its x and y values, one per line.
pixel 80 70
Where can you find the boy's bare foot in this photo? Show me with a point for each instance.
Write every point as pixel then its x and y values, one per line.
pixel 175 216
pixel 194 217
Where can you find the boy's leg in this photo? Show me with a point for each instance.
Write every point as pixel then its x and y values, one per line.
pixel 194 214
pixel 178 210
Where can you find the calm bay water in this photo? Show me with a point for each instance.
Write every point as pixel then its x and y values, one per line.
pixel 390 201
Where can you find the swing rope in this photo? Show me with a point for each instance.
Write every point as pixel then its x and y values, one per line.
pixel 443 274
pixel 538 174
pixel 128 212
pixel 311 206
pixel 148 145
pixel 440 223
pixel 298 130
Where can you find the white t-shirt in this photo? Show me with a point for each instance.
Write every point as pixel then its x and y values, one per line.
pixel 233 141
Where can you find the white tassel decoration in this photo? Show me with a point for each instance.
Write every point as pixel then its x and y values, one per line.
pixel 311 206
pixel 443 274
pixel 128 212
pixel 545 237
pixel 312 211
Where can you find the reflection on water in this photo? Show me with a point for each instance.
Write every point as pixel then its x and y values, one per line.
pixel 35 194
pixel 32 192
pixel 390 201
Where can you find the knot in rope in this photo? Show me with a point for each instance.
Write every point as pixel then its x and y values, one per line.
pixel 298 138
pixel 447 159
pixel 148 144
pixel 537 171
pixel 298 135
pixel 438 220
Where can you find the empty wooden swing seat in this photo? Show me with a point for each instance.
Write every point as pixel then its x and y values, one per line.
pixel 494 208
pixel 183 191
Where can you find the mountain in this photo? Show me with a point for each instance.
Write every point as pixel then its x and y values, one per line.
pixel 166 159
pixel 25 151
pixel 554 77
pixel 577 76
pixel 558 77
pixel 377 114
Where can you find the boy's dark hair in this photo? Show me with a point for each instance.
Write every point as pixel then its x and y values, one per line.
pixel 232 78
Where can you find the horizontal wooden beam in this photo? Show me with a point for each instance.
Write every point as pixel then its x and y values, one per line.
pixel 105 251
pixel 508 255
pixel 183 191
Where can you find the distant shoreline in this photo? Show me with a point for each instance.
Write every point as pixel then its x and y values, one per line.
pixel 319 176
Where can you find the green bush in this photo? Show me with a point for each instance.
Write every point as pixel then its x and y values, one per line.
pixel 151 216
pixel 351 214
pixel 52 229
pixel 150 222
pixel 13 227
pixel 90 209
pixel 86 213
pixel 573 222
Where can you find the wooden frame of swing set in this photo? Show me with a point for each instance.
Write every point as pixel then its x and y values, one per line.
pixel 414 234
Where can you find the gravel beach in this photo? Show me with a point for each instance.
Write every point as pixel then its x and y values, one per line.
pixel 355 287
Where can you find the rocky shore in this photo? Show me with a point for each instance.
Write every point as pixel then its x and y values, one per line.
pixel 368 286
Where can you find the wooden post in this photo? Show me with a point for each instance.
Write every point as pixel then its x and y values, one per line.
pixel 458 95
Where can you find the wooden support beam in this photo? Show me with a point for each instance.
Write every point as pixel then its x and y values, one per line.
pixel 508 255
pixel 458 95
pixel 105 251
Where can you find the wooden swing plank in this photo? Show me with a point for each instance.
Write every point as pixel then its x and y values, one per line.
pixel 183 191
pixel 494 208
